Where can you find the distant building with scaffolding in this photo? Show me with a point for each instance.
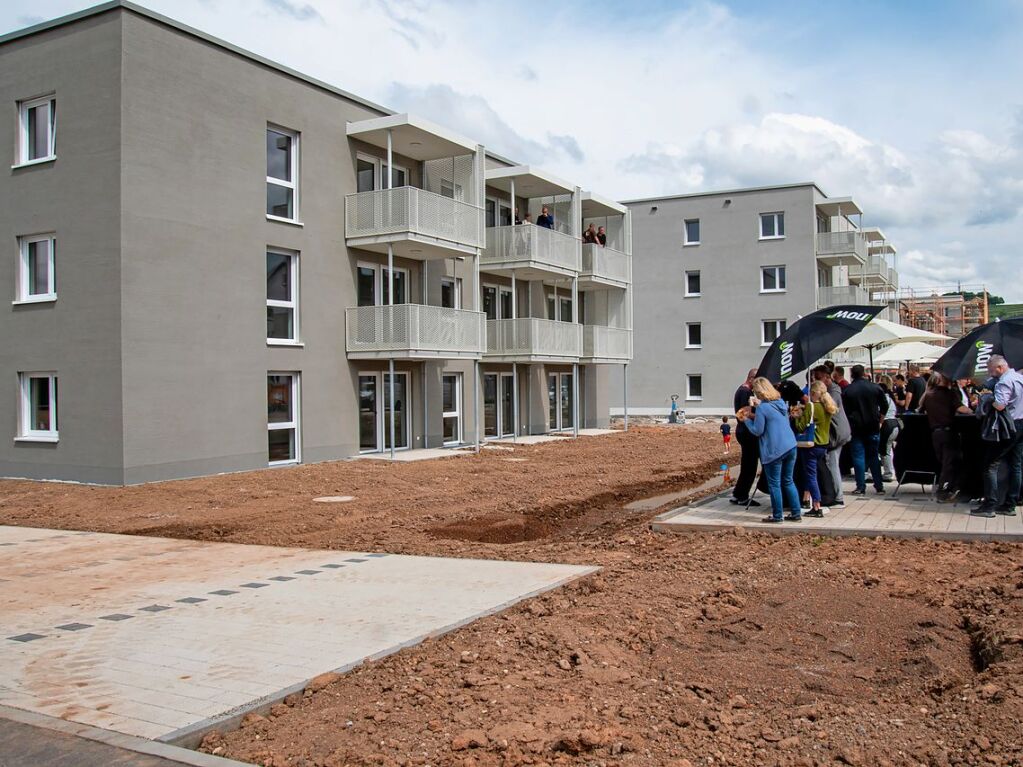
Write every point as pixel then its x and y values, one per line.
pixel 952 311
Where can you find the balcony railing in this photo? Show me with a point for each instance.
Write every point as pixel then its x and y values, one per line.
pixel 511 246
pixel 843 294
pixel 849 244
pixel 532 337
pixel 602 343
pixel 414 330
pixel 605 265
pixel 408 210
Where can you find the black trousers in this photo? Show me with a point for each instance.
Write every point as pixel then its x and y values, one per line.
pixel 949 455
pixel 750 461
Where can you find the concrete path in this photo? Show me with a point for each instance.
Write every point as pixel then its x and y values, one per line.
pixel 912 514
pixel 164 638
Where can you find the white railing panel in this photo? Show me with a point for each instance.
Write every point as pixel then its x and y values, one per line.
pixel 842 294
pixel 529 336
pixel 414 328
pixel 408 209
pixel 607 343
pixel 528 242
pixel 841 243
pixel 606 263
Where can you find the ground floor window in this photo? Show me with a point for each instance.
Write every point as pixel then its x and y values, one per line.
pixel 282 418
pixel 498 405
pixel 694 386
pixel 559 395
pixel 375 412
pixel 38 419
pixel 451 406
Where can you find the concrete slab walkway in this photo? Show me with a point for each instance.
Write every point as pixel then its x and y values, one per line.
pixel 912 514
pixel 162 638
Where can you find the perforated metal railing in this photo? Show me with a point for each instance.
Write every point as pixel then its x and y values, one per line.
pixel 842 294
pixel 530 336
pixel 604 343
pixel 408 209
pixel 841 243
pixel 528 242
pixel 606 263
pixel 415 328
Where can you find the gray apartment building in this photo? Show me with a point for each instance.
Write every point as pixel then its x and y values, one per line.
pixel 216 264
pixel 719 275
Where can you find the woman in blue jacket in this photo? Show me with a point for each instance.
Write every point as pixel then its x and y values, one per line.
pixel 777 449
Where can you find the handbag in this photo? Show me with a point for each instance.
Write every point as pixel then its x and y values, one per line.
pixel 808 436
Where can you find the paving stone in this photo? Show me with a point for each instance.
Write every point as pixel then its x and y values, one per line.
pixel 27 637
pixel 191 600
pixel 74 626
pixel 223 592
pixel 154 608
pixel 115 617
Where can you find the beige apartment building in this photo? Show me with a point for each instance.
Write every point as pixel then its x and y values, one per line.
pixel 216 263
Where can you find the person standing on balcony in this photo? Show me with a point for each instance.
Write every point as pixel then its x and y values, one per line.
pixel 590 235
pixel 602 237
pixel 546 219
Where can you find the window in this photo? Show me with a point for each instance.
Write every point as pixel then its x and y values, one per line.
pixel 772 279
pixel 692 284
pixel 772 226
pixel 451 407
pixel 281 296
pixel 38 407
pixel 694 335
pixel 770 330
pixel 37 130
pixel 282 418
pixel 281 174
pixel 691 232
pixel 694 386
pixel 37 281
pixel 451 292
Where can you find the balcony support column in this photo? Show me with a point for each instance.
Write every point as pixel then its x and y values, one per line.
pixel 515 366
pixel 625 393
pixel 575 365
pixel 476 363
pixel 390 302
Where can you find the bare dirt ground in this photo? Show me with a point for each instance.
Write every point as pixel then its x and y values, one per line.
pixel 703 649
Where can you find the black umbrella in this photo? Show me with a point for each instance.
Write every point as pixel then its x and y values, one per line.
pixel 967 357
pixel 812 337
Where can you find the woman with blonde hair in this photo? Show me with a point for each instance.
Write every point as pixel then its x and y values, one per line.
pixel 813 423
pixel 777 449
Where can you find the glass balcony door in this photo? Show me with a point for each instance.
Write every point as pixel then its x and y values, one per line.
pixel 375 412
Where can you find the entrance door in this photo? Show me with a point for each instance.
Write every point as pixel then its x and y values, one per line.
pixel 507 404
pixel 451 407
pixel 498 405
pixel 559 394
pixel 375 412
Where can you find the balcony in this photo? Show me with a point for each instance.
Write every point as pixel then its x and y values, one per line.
pixel 841 248
pixel 842 294
pixel 528 339
pixel 414 331
pixel 604 267
pixel 533 252
pixel 418 224
pixel 873 273
pixel 606 345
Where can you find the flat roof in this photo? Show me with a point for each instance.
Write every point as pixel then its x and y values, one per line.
pixel 529 182
pixel 723 191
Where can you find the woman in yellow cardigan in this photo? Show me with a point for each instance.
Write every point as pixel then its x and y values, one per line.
pixel 817 411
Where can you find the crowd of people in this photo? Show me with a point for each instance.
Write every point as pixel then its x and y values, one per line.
pixel 593 235
pixel 797 435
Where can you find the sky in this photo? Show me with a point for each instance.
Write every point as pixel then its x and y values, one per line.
pixel 914 109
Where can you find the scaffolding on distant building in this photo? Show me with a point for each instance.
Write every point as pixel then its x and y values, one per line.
pixel 951 311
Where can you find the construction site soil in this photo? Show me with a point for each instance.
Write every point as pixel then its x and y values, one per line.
pixel 704 649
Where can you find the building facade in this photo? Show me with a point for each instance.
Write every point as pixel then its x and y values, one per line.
pixel 720 275
pixel 218 264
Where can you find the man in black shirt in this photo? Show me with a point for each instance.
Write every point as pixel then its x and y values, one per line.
pixel 865 404
pixel 545 219
pixel 749 443
pixel 915 388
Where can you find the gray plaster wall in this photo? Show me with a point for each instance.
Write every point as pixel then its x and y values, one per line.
pixel 77 196
pixel 731 306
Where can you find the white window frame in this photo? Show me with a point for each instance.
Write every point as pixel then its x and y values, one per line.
pixel 23 295
pixel 456 289
pixel 685 283
pixel 692 345
pixel 23 138
pixel 686 242
pixel 296 418
pixel 778 329
pixel 500 205
pixel 689 387
pixel 779 217
pixel 293 185
pixel 379 280
pixel 383 403
pixel 457 412
pixel 25 431
pixel 779 269
pixel 379 163
pixel 293 303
